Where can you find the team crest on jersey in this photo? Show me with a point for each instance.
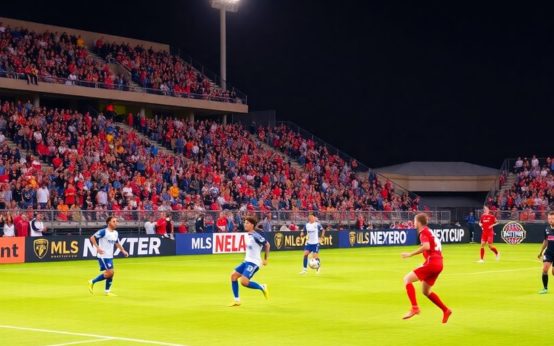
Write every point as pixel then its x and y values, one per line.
pixel 352 238
pixel 278 238
pixel 513 233
pixel 41 247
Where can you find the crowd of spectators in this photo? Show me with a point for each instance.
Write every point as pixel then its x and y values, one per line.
pixel 53 57
pixel 532 193
pixel 163 73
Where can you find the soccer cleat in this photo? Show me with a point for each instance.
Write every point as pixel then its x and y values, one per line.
pixel 411 313
pixel 304 271
pixel 498 256
pixel 543 291
pixel 446 315
pixel 481 261
pixel 234 304
pixel 91 287
pixel 110 294
pixel 265 291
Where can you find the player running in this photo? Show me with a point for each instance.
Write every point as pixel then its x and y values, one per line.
pixel 548 255
pixel 428 272
pixel 487 222
pixel 104 241
pixel 255 243
pixel 312 245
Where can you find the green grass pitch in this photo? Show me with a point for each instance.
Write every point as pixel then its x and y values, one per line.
pixel 358 299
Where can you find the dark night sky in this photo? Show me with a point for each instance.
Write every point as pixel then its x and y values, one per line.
pixel 385 83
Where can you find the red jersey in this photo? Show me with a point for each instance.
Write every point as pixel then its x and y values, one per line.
pixel 434 252
pixel 161 226
pixel 487 221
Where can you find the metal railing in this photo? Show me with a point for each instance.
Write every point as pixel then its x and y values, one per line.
pixel 79 220
pixel 504 171
pixel 335 151
pixel 91 84
pixel 528 215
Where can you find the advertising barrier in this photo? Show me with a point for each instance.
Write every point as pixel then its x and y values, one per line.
pixel 514 233
pixel 389 237
pixel 450 234
pixel 194 244
pixel 229 242
pixel 12 250
pixel 293 241
pixel 79 247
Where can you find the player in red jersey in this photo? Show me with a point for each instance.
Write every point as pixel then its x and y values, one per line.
pixel 487 222
pixel 428 272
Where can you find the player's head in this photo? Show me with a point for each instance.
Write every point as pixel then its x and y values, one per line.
pixel 311 218
pixel 421 220
pixel 111 221
pixel 486 210
pixel 250 223
pixel 551 218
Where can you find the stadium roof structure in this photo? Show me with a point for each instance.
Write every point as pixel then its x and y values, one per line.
pixel 441 176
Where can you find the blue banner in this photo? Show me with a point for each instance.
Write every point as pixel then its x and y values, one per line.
pixel 194 244
pixel 388 237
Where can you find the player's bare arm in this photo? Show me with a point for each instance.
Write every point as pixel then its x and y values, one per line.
pixel 122 250
pixel 543 246
pixel 95 244
pixel 423 247
pixel 266 253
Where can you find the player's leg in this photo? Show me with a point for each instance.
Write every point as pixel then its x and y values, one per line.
pixel 482 251
pixel 246 281
pixel 109 279
pixel 490 241
pixel 235 286
pixel 315 254
pixel 100 277
pixel 545 268
pixel 409 279
pixel 426 288
pixel 305 260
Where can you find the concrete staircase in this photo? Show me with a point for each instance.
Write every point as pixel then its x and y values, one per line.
pixel 145 138
pixel 510 180
pixel 293 162
pixel 117 69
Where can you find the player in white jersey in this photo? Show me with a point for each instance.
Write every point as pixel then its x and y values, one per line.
pixel 104 241
pixel 255 243
pixel 312 244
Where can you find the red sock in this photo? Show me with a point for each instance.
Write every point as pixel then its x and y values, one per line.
pixel 411 294
pixel 437 301
pixel 482 253
pixel 493 249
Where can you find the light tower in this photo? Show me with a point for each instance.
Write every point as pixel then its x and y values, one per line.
pixel 224 6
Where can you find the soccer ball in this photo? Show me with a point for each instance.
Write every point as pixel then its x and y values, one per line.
pixel 314 263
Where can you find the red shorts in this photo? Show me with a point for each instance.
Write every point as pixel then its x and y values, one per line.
pixel 429 271
pixel 487 237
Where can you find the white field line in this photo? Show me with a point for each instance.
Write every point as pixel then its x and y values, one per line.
pixel 81 342
pixel 99 337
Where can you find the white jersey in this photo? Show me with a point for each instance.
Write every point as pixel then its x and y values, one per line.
pixel 312 230
pixel 254 245
pixel 37 227
pixel 106 241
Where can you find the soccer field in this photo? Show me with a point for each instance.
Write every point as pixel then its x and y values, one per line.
pixel 358 299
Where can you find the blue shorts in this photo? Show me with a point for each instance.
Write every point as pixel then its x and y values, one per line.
pixel 105 263
pixel 312 248
pixel 247 269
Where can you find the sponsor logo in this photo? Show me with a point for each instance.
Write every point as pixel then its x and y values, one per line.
pixel 55 249
pixel 449 235
pixel 135 246
pixel 229 242
pixel 41 247
pixel 278 239
pixel 352 238
pixel 393 237
pixel 201 243
pixel 513 233
pixel 12 250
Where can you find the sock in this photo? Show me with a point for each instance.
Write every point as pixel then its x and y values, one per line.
pixel 493 249
pixel 482 253
pixel 108 284
pixel 411 294
pixel 545 280
pixel 437 301
pixel 305 263
pixel 99 278
pixel 235 286
pixel 255 286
